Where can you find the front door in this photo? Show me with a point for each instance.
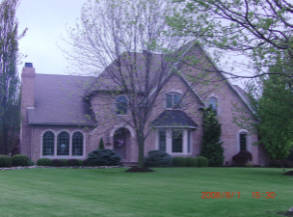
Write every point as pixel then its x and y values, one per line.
pixel 121 142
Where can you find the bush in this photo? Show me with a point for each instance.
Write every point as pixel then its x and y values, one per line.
pixel 74 162
pixel 201 161
pixel 290 157
pixel 179 162
pixel 44 162
pixel 158 158
pixel 5 161
pixel 20 160
pixel 190 162
pixel 59 162
pixel 104 157
pixel 242 158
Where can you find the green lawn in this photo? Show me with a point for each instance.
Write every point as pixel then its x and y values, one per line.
pixel 174 192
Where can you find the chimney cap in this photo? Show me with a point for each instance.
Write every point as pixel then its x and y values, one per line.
pixel 28 65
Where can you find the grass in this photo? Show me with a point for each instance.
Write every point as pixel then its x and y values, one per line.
pixel 168 192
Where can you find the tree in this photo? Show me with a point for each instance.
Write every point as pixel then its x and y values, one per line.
pixel 274 111
pixel 9 95
pixel 101 144
pixel 121 39
pixel 259 29
pixel 211 147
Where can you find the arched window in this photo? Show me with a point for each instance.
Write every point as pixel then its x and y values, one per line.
pixel 213 103
pixel 173 100
pixel 48 143
pixel 243 141
pixel 121 105
pixel 77 144
pixel 63 143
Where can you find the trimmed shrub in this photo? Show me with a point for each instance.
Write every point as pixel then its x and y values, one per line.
pixel 201 161
pixel 74 163
pixel 101 144
pixel 179 162
pixel 59 162
pixel 20 160
pixel 158 158
pixel 44 162
pixel 5 161
pixel 242 158
pixel 104 157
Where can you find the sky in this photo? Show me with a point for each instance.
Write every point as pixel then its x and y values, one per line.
pixel 47 21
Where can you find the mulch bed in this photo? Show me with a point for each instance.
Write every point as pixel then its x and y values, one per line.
pixel 139 170
pixel 289 173
pixel 286 213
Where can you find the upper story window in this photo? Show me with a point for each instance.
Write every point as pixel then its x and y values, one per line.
pixel 121 105
pixel 173 100
pixel 213 103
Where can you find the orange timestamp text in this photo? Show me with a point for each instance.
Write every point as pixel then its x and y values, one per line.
pixel 230 195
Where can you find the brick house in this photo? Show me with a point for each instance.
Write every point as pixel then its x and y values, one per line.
pixel 65 116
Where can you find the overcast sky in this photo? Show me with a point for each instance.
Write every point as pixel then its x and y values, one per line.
pixel 47 21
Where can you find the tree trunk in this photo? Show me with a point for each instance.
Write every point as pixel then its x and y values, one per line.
pixel 140 142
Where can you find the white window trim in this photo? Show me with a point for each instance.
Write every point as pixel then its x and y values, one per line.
pixel 169 142
pixel 55 156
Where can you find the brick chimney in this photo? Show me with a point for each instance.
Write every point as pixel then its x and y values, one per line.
pixel 28 86
pixel 27 102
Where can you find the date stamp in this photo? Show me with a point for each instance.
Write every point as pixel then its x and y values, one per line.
pixel 230 195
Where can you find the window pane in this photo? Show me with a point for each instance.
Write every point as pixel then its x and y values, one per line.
pixel 77 144
pixel 121 105
pixel 177 141
pixel 162 140
pixel 63 144
pixel 213 103
pixel 243 137
pixel 188 141
pixel 173 100
pixel 169 100
pixel 177 99
pixel 48 144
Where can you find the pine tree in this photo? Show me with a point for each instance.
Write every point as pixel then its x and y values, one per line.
pixel 9 94
pixel 101 144
pixel 211 147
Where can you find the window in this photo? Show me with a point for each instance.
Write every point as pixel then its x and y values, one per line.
pixel 177 141
pixel 188 141
pixel 121 105
pixel 63 144
pixel 77 144
pixel 213 103
pixel 162 140
pixel 173 100
pixel 243 141
pixel 48 143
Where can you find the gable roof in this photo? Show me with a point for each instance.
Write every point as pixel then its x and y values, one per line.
pixel 174 118
pixel 59 100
